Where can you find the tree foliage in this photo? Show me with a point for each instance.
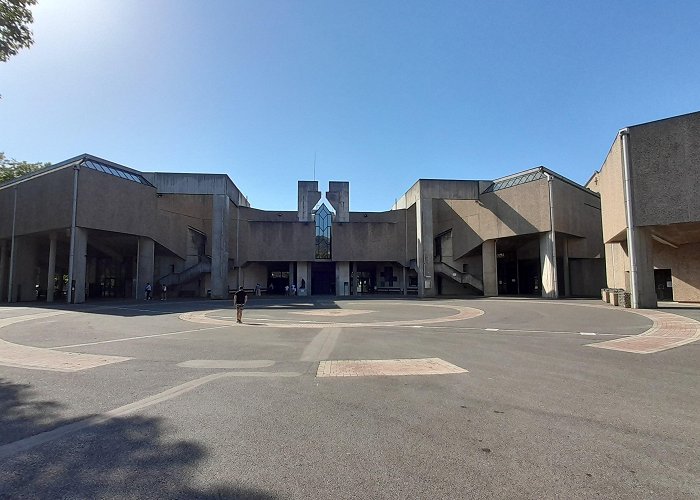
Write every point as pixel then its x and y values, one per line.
pixel 11 169
pixel 15 34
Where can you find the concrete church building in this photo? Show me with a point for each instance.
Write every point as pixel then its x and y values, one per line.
pixel 650 191
pixel 108 230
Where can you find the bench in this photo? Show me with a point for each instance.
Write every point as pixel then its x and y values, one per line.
pixel 389 289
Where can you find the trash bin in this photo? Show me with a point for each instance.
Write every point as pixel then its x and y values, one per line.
pixel 604 294
pixel 615 296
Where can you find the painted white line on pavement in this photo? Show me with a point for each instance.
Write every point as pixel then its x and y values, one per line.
pixel 228 364
pixel 586 333
pixel 144 310
pixel 27 444
pixel 514 330
pixel 137 338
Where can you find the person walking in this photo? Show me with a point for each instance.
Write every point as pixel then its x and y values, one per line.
pixel 148 289
pixel 239 300
pixel 163 292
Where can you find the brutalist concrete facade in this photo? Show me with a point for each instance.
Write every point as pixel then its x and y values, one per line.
pixel 649 185
pixel 90 228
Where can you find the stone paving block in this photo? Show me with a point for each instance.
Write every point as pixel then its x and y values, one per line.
pixel 386 367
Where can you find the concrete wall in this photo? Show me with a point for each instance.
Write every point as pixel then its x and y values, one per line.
pixel 617 265
pixel 251 275
pixel 25 275
pixel 587 277
pixel 267 236
pixel 43 203
pixel 521 210
pixel 377 237
pixel 175 214
pixel 508 212
pixel 665 167
pixel 577 212
pixel 110 203
pixel 609 182
pixel 684 263
pixel 204 184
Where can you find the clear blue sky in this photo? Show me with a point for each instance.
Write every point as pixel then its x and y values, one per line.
pixel 383 92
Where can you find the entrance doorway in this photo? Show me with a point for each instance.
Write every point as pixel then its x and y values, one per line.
pixel 323 278
pixel 507 264
pixel 529 277
pixel 277 277
pixel 663 284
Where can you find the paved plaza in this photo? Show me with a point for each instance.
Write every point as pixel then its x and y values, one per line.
pixel 364 398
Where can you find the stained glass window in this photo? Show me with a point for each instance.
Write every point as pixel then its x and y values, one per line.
pixel 324 219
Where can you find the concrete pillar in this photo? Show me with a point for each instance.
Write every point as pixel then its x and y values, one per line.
pixel 342 278
pixel 646 286
pixel 353 278
pixel 565 259
pixel 338 195
pixel 240 278
pixel 424 261
pixel 144 265
pixel 303 274
pixel 3 266
pixel 291 280
pixel 548 266
pixel 219 246
pixel 307 197
pixel 490 268
pixel 50 283
pixel 24 271
pixel 404 277
pixel 80 265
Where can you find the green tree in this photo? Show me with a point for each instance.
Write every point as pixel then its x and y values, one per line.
pixel 11 168
pixel 15 19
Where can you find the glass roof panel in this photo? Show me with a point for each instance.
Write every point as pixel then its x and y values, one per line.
pixel 116 172
pixel 515 181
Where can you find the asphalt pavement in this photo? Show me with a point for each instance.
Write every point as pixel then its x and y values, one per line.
pixel 184 403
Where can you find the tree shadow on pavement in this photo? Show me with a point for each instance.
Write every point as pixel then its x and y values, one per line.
pixel 22 414
pixel 129 457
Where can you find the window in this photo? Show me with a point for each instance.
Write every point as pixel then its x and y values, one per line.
pixel 116 172
pixel 324 219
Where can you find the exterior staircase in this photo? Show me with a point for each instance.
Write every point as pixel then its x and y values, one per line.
pixel 458 276
pixel 187 275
